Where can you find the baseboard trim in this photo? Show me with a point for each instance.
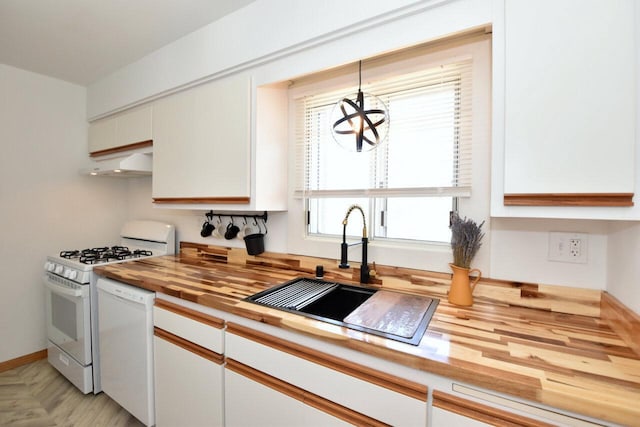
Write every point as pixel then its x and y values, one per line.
pixel 23 360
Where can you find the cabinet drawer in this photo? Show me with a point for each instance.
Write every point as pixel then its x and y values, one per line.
pixel 448 408
pixel 253 398
pixel 378 395
pixel 496 407
pixel 201 329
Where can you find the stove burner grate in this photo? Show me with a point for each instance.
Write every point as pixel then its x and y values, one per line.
pixel 69 254
pixel 141 253
pixel 105 254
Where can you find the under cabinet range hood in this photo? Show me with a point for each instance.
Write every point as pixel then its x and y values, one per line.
pixel 136 164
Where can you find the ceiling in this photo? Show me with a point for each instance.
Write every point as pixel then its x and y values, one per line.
pixel 81 41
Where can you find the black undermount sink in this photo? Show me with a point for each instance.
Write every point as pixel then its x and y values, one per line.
pixel 333 302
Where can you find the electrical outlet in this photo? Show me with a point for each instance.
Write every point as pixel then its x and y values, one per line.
pixel 575 248
pixel 568 247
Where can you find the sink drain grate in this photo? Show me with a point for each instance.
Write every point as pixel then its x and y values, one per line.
pixel 297 295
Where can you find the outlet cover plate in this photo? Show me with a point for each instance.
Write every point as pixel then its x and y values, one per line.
pixel 568 247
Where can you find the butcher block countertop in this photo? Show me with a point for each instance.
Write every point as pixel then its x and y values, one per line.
pixel 573 349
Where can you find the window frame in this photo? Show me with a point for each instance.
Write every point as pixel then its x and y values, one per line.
pixel 318 153
pixel 433 256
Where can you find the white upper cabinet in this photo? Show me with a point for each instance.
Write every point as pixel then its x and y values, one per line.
pixel 135 126
pixel 565 104
pixel 201 144
pixel 127 130
pixel 206 154
pixel 102 135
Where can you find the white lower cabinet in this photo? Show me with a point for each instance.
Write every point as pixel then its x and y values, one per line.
pixel 288 372
pixel 188 387
pixel 251 403
pixel 189 371
pixel 215 372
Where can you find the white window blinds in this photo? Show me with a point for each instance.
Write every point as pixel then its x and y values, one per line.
pixel 427 152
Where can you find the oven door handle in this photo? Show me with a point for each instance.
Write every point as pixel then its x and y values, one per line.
pixel 64 291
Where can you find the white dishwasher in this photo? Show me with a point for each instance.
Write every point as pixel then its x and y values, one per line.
pixel 125 331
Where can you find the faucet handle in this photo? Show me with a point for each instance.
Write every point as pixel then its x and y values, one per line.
pixel 372 271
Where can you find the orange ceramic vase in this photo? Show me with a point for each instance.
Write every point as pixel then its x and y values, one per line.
pixel 461 292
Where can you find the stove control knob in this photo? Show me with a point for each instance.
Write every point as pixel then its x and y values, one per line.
pixel 72 274
pixel 49 266
pixel 65 272
pixel 58 269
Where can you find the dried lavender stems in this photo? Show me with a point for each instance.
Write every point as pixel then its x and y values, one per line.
pixel 465 240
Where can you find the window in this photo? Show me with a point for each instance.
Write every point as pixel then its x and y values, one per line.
pixel 409 185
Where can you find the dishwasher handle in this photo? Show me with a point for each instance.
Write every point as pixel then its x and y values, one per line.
pixel 126 292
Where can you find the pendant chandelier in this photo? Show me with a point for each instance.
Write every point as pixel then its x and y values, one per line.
pixel 360 124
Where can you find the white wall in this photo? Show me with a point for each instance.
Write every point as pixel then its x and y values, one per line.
pixel 46 206
pixel 519 252
pixel 623 273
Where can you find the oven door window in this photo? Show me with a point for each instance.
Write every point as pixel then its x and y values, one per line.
pixel 64 317
pixel 68 324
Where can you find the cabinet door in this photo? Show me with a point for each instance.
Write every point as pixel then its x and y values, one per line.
pixel 188 387
pixel 173 129
pixel 134 127
pixel 570 98
pixel 202 144
pixel 125 131
pixel 102 135
pixel 250 403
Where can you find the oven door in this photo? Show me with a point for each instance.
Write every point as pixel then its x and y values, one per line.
pixel 68 317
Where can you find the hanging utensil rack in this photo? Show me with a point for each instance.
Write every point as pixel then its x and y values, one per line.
pixel 211 214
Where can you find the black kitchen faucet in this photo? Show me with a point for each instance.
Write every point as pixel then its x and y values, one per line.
pixel 344 247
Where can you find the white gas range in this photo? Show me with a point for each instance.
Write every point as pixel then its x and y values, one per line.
pixel 72 300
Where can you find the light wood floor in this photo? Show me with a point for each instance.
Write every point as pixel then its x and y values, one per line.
pixel 37 395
